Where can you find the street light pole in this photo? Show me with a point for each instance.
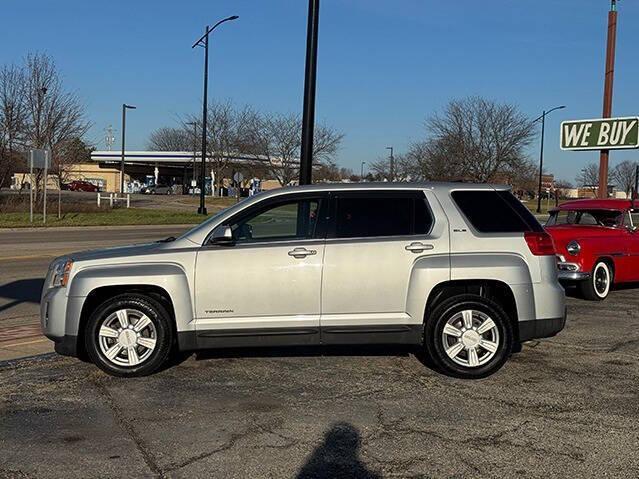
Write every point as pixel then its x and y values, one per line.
pixel 125 107
pixel 392 163
pixel 308 116
pixel 361 176
pixel 203 41
pixel 607 101
pixel 541 153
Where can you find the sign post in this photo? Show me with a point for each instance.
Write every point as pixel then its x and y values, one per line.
pixel 40 160
pixel 238 178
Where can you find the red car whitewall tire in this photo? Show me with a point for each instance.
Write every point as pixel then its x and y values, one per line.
pixel 597 287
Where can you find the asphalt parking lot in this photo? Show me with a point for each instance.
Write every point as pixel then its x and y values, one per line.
pixel 563 406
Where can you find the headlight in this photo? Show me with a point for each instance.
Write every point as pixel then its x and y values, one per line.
pixel 60 273
pixel 573 247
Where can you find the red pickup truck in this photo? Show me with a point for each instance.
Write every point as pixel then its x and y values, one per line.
pixel 597 244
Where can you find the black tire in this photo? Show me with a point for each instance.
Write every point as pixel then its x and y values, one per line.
pixel 597 287
pixel 482 308
pixel 137 303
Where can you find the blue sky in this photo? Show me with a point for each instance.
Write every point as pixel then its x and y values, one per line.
pixel 384 65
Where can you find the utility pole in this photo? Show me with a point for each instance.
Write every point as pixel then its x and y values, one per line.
pixel 392 163
pixel 203 41
pixel 310 78
pixel 608 87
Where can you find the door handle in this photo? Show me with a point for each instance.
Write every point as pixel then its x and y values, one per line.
pixel 300 253
pixel 419 247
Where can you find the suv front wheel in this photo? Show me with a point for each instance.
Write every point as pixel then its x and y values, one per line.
pixel 469 337
pixel 129 335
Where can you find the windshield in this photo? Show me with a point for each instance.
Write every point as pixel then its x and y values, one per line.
pixel 607 218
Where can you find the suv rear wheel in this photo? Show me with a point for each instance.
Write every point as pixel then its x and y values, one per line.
pixel 129 335
pixel 597 287
pixel 469 337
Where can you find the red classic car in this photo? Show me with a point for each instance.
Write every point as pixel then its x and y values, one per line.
pixel 81 185
pixel 597 244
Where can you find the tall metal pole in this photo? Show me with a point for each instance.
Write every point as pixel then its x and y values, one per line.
pixel 202 209
pixel 308 116
pixel 204 41
pixel 608 87
pixel 125 107
pixel 361 176
pixel 541 152
pixel 392 163
pixel 123 140
pixel 541 160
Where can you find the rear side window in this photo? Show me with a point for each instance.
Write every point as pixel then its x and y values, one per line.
pixel 371 215
pixel 495 212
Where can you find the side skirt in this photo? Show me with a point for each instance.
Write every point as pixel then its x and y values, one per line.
pixel 273 337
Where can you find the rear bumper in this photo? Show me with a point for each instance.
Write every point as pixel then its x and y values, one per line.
pixel 541 328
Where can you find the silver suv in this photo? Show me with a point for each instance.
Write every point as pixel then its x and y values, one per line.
pixel 463 271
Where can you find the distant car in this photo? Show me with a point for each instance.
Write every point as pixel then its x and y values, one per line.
pixel 80 185
pixel 157 190
pixel 597 243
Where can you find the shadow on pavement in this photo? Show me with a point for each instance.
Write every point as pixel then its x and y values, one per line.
pixel 21 291
pixel 299 351
pixel 337 456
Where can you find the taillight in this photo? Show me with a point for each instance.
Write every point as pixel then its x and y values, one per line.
pixel 540 244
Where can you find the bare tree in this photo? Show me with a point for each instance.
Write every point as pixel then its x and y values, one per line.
pixel 13 117
pixel 588 177
pixel 624 175
pixel 228 137
pixel 473 139
pixel 276 139
pixel 171 139
pixel 55 117
pixel 37 112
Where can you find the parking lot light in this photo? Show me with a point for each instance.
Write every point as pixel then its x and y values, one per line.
pixel 203 41
pixel 541 154
pixel 125 107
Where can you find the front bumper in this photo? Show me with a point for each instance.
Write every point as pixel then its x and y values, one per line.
pixel 567 271
pixel 572 275
pixel 541 328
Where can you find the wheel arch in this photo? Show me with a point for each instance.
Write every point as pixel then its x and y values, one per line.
pixel 101 294
pixel 497 291
pixel 166 283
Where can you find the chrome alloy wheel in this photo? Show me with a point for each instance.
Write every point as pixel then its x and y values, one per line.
pixel 470 338
pixel 127 337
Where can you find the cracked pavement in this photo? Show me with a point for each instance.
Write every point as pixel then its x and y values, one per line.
pixel 567 405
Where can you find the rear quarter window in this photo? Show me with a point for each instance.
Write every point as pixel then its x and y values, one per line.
pixel 490 211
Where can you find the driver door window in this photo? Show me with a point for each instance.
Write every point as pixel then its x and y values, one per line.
pixel 292 220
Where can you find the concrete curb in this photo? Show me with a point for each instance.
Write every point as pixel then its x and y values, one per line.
pixel 12 363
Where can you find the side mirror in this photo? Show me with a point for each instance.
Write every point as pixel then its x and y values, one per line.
pixel 222 235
